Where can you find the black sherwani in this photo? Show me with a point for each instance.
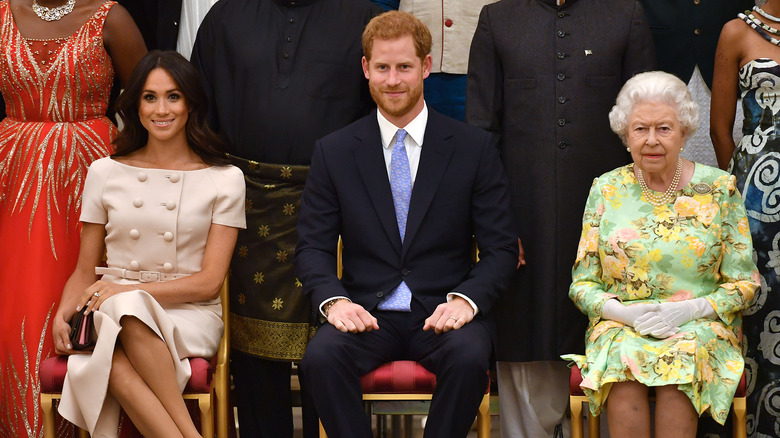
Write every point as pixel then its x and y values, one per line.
pixel 544 79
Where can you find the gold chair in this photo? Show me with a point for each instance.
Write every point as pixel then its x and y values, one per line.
pixel 577 398
pixel 208 385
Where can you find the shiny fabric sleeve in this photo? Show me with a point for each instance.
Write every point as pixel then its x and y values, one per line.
pixel 739 275
pixel 587 289
pixel 229 205
pixel 484 86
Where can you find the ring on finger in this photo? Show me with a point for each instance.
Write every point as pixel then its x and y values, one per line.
pixel 96 294
pixel 456 319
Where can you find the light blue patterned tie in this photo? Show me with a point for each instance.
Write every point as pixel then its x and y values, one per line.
pixel 401 185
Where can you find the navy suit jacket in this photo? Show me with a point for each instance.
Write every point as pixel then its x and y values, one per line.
pixel 460 191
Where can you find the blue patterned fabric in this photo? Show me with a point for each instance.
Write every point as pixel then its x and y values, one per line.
pixel 756 166
pixel 401 185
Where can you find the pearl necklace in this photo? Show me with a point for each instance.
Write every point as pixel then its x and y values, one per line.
pixel 668 194
pixel 53 14
pixel 765 14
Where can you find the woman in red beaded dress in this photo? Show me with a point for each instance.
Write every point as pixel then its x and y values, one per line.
pixel 58 59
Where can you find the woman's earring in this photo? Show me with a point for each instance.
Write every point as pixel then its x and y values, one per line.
pixel 628 149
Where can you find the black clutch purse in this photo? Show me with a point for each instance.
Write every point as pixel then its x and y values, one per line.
pixel 81 337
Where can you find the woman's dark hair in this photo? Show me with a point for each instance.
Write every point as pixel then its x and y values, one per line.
pixel 200 138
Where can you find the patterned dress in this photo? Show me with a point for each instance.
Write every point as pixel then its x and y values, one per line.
pixel 697 246
pixel 756 166
pixel 56 93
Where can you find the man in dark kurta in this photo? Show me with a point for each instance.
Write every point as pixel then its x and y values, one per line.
pixel 543 75
pixel 279 74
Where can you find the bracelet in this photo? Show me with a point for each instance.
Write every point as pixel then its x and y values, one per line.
pixel 326 307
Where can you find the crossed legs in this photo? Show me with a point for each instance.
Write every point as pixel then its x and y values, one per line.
pixel 629 411
pixel 146 386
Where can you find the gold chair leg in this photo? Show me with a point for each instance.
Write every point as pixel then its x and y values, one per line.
pixel 322 431
pixel 483 418
pixel 593 425
pixel 206 416
pixel 739 419
pixel 575 404
pixel 48 416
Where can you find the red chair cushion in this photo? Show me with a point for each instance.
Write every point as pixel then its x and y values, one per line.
pixel 401 376
pixel 575 378
pixel 53 369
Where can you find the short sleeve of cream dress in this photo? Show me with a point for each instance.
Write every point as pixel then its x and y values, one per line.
pixel 156 220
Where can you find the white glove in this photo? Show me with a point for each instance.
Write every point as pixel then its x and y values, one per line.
pixel 616 311
pixel 671 315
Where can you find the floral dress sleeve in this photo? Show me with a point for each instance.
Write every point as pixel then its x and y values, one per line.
pixel 587 289
pixel 738 274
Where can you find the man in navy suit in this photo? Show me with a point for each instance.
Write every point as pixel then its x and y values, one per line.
pixel 408 190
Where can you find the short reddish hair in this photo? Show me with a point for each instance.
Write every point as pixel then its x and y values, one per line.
pixel 397 24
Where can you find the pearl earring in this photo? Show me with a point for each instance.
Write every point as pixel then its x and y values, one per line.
pixel 628 149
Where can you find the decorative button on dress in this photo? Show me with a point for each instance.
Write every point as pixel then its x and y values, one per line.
pixel 150 236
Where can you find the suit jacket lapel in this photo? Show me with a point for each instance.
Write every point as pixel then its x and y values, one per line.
pixel 434 159
pixel 370 162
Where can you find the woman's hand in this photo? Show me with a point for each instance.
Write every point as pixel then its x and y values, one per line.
pixel 96 294
pixel 626 314
pixel 61 331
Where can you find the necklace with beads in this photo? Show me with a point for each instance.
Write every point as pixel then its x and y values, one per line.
pixel 53 14
pixel 668 194
pixel 763 25
pixel 765 14
pixel 760 27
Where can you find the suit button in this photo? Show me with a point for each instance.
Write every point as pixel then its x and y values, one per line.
pixel 561 76
pixel 561 34
pixel 380 294
pixel 696 2
pixel 560 55
pixel 405 272
pixel 561 14
pixel 562 145
pixel 561 99
pixel 697 32
pixel 561 122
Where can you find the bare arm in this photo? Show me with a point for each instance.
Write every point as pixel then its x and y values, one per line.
pixel 90 255
pixel 123 42
pixel 724 91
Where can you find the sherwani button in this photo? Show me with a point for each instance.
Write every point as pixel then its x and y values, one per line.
pixel 380 294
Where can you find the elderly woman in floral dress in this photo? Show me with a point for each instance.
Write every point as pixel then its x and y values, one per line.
pixel 663 270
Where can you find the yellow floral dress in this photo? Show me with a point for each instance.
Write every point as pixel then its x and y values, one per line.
pixel 696 246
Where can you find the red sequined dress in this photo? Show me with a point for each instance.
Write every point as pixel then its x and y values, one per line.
pixel 56 93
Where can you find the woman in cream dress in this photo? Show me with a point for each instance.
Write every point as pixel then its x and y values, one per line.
pixel 166 208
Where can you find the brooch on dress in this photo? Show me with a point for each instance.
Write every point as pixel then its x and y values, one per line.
pixel 702 188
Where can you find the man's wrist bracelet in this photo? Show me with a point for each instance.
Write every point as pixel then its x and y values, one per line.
pixel 326 307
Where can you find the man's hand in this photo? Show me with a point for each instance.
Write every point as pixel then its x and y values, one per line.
pixel 350 317
pixel 450 316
